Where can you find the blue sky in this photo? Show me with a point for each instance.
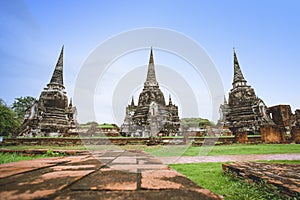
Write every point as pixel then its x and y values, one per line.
pixel 265 34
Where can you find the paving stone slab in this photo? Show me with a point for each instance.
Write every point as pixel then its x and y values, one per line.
pixel 148 161
pixel 125 160
pixel 13 168
pixel 45 184
pixel 202 194
pixel 166 179
pixel 135 168
pixel 107 179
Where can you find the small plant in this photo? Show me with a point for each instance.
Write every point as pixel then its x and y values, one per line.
pixel 51 153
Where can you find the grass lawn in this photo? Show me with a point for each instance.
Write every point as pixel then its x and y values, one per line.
pixel 184 150
pixel 23 147
pixel 210 176
pixel 280 161
pixel 234 149
pixel 14 157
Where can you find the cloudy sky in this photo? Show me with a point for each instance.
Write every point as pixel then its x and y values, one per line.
pixel 264 33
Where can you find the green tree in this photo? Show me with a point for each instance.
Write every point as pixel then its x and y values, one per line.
pixel 205 122
pixel 195 122
pixel 21 104
pixel 8 120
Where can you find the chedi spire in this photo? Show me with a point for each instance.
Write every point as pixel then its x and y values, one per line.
pixel 57 76
pixel 170 100
pixel 238 75
pixel 151 77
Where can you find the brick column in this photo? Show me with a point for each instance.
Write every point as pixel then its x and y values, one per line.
pixel 241 137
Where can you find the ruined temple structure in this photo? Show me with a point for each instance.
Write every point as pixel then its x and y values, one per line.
pixel 244 112
pixel 295 127
pixel 281 115
pixel 286 121
pixel 51 115
pixel 151 117
pixel 296 118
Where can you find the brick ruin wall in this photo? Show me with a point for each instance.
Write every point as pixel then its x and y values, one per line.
pixel 272 134
pixel 284 177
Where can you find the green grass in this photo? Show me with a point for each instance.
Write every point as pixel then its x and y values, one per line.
pixel 185 150
pixel 280 161
pixel 14 157
pixel 24 147
pixel 210 176
pixel 235 149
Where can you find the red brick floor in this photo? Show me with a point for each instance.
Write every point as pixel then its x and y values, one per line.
pixel 104 175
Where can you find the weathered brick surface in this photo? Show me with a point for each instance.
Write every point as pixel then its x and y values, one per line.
pixel 281 114
pixel 285 177
pixel 295 132
pixel 272 134
pixel 104 175
pixel 241 137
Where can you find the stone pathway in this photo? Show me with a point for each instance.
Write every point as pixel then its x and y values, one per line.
pixel 228 158
pixel 285 177
pixel 104 175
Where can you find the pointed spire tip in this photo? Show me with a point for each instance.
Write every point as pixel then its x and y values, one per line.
pixel 57 76
pixel 238 75
pixel 151 77
pixel 132 101
pixel 170 100
pixel 151 56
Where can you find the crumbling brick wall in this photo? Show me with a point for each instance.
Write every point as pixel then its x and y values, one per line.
pixel 295 133
pixel 241 137
pixel 272 134
pixel 281 115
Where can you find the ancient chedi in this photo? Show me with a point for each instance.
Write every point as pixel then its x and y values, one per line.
pixel 51 115
pixel 244 112
pixel 152 116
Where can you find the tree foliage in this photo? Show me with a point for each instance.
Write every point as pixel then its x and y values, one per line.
pixel 195 122
pixel 8 120
pixel 21 104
